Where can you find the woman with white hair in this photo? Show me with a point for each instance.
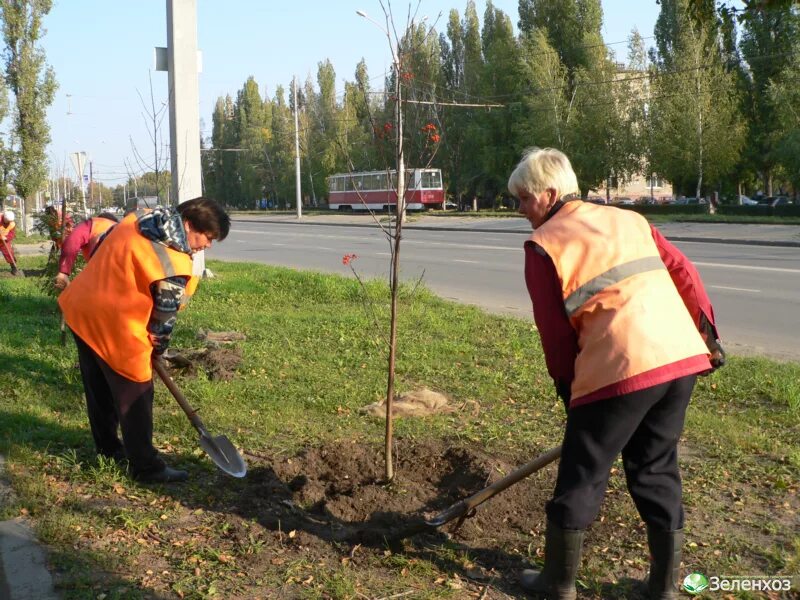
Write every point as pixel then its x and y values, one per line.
pixel 7 233
pixel 626 327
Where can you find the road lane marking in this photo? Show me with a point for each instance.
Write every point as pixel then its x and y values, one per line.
pixel 735 289
pixel 425 243
pixel 429 244
pixel 747 267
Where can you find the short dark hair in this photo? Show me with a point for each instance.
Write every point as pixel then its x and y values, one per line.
pixel 207 216
pixel 110 216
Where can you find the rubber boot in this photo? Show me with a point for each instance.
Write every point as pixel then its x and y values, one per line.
pixel 165 475
pixel 562 555
pixel 665 563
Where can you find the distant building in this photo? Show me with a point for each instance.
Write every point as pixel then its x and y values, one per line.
pixel 641 185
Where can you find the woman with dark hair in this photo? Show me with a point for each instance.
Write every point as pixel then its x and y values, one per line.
pixel 122 308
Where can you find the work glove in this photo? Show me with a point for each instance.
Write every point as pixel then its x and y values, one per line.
pixel 717 357
pixel 709 333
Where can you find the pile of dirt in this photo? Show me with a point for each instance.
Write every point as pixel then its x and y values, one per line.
pixel 219 363
pixel 335 493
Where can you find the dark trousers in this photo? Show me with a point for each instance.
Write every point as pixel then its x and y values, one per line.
pixel 645 426
pixel 114 401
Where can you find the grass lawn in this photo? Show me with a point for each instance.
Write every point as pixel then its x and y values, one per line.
pixel 295 526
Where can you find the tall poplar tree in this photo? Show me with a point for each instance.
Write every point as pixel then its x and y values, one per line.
pixel 784 95
pixel 695 109
pixel 768 45
pixel 499 83
pixel 33 84
pixel 252 120
pixel 567 24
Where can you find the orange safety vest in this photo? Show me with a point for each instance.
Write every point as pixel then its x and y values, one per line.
pixel 618 295
pixel 108 305
pixel 99 226
pixel 6 229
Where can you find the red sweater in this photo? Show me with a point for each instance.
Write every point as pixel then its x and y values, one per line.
pixel 560 341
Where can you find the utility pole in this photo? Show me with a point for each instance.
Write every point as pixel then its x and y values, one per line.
pixel 181 61
pixel 79 162
pixel 91 185
pixel 299 197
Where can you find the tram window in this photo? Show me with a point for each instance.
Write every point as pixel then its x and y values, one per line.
pixel 431 179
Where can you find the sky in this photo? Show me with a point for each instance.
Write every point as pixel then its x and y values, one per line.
pixel 103 55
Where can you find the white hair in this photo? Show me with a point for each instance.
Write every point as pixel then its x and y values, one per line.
pixel 541 169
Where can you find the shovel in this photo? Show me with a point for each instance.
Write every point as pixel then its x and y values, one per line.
pixel 17 271
pixel 465 509
pixel 219 448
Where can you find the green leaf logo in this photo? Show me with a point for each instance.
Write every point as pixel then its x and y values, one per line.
pixel 695 583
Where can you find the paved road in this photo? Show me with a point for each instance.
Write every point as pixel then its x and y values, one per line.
pixel 755 289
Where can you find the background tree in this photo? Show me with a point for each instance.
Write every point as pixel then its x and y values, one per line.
pixel 567 23
pixel 784 94
pixel 33 84
pixel 280 151
pixel 498 83
pixel 252 120
pixel 453 121
pixel 7 158
pixel 695 103
pixel 153 116
pixel 546 106
pixel 422 80
pixel 472 171
pixel 768 43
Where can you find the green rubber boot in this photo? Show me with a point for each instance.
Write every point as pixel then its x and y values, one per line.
pixel 665 563
pixel 562 555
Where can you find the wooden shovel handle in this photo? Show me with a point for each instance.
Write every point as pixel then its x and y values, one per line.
pixel 463 507
pixel 158 367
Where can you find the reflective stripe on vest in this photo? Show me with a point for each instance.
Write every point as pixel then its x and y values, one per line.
pixel 163 257
pixel 614 275
pixel 619 297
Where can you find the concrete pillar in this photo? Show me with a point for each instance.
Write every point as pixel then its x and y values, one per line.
pixel 184 106
pixel 184 99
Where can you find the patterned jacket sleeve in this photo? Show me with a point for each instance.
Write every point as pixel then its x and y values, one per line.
pixel 167 294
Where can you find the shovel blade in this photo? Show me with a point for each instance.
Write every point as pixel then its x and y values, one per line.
pixel 224 454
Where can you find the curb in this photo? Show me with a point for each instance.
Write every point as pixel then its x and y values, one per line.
pixel 673 238
pixel 23 561
pixel 23 564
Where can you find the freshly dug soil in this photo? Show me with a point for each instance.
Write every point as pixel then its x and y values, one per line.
pixel 219 363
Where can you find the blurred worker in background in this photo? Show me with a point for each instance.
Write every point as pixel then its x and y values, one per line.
pixel 84 239
pixel 52 220
pixel 8 231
